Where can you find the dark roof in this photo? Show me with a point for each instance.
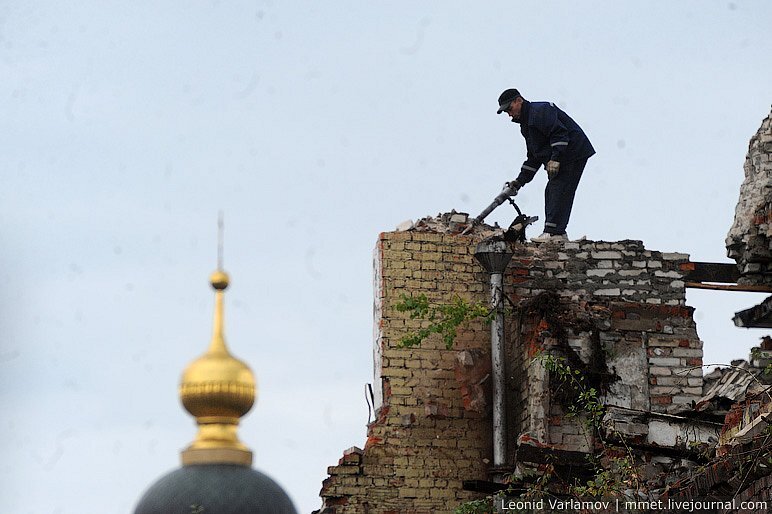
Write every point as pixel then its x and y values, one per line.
pixel 215 489
pixel 759 316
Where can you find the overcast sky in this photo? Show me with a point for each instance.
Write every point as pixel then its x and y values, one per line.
pixel 315 126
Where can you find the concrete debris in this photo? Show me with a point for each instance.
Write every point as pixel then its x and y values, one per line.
pixel 454 223
pixel 352 450
pixel 405 225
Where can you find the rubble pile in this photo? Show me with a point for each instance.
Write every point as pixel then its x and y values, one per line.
pixel 726 387
pixel 739 459
pixel 749 241
pixel 450 223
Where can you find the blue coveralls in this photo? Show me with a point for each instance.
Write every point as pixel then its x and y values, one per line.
pixel 551 135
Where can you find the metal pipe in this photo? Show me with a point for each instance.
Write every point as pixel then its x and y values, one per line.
pixel 502 197
pixel 494 256
pixel 497 365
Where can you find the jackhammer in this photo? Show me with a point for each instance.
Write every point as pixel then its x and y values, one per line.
pixel 516 230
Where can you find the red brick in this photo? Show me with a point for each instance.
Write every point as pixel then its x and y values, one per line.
pixel 372 440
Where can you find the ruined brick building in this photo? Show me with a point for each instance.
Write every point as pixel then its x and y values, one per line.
pixel 613 313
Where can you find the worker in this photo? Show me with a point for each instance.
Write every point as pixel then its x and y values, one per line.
pixel 553 139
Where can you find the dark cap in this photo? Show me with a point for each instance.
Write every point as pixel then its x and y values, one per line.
pixel 506 98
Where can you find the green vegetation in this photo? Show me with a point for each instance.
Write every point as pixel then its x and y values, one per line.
pixel 442 319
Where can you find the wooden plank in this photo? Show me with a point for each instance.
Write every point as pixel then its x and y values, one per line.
pixel 731 287
pixel 712 272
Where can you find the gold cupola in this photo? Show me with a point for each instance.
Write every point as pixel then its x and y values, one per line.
pixel 217 389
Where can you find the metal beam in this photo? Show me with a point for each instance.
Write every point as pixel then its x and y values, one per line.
pixel 712 272
pixel 748 288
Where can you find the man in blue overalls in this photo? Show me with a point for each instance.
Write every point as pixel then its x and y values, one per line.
pixel 553 139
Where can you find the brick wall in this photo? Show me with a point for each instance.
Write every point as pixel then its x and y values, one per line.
pixel 625 326
pixel 424 442
pixel 623 315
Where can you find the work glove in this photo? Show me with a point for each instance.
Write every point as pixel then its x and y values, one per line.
pixel 552 169
pixel 514 185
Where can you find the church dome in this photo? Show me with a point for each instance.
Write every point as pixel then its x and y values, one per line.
pixel 217 383
pixel 217 389
pixel 216 476
pixel 215 489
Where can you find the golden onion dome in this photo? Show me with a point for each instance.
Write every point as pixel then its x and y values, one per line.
pixel 217 384
pixel 217 389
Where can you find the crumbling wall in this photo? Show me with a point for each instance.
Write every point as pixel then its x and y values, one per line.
pixel 623 323
pixel 432 429
pixel 624 318
pixel 749 241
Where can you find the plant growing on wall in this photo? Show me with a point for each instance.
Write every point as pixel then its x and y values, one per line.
pixel 443 319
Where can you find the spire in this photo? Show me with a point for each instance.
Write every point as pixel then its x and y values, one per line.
pixel 217 389
pixel 219 280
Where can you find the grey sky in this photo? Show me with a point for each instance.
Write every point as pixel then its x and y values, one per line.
pixel 314 126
